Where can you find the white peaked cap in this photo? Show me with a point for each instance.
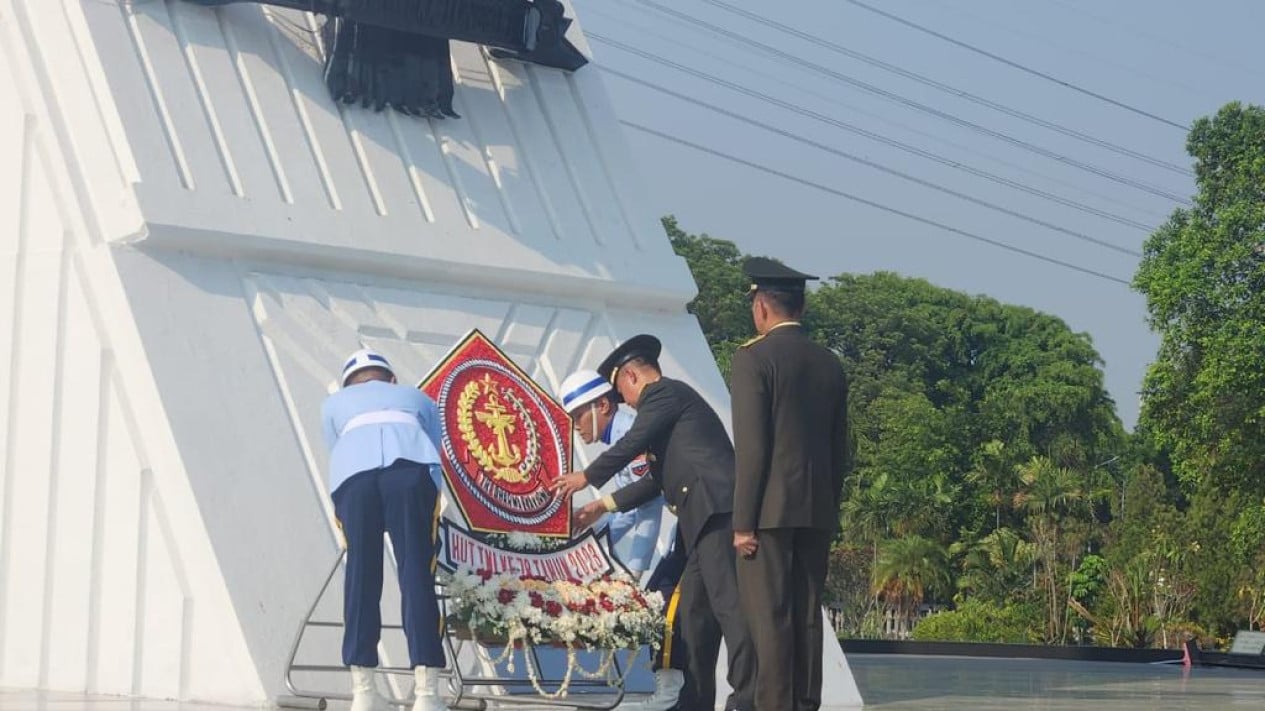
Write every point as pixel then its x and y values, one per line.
pixel 581 388
pixel 364 358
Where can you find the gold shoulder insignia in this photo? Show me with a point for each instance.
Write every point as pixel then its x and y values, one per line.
pixel 752 342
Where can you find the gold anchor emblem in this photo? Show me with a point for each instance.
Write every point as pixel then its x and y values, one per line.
pixel 501 424
pixel 502 458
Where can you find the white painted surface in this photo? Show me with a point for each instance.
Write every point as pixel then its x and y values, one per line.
pixel 108 581
pixel 192 237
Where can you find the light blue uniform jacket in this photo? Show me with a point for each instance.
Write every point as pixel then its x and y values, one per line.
pixel 371 446
pixel 635 533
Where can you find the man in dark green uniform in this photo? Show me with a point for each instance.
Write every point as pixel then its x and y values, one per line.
pixel 790 402
pixel 692 464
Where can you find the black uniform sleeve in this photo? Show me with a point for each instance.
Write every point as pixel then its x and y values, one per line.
pixel 841 445
pixel 752 413
pixel 637 493
pixel 656 413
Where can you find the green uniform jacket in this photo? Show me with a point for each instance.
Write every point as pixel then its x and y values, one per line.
pixel 790 425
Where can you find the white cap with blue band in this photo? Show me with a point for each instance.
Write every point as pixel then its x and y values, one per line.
pixel 581 388
pixel 364 358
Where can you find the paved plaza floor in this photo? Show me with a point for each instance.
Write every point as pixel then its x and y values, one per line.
pixel 921 683
pixel 926 683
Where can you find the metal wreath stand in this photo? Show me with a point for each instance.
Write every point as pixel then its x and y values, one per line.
pixel 474 692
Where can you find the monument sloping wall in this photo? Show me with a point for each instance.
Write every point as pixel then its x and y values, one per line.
pixel 197 236
pixel 240 149
pixel 108 579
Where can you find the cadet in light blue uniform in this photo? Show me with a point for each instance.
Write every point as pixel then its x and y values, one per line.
pixel 635 532
pixel 384 475
pixel 596 417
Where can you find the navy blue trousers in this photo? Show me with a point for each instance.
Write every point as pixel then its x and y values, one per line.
pixel 400 499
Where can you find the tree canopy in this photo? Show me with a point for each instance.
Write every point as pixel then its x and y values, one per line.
pixel 953 395
pixel 1203 275
pixel 992 474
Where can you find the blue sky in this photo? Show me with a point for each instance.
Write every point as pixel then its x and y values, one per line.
pixel 1175 60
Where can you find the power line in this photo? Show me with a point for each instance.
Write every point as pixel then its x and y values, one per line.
pixel 865 86
pixel 833 98
pixel 870 203
pixel 877 166
pixel 940 86
pixel 1137 32
pixel 822 118
pixel 1077 46
pixel 1015 65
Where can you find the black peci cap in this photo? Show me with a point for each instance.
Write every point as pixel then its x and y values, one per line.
pixel 642 346
pixel 769 275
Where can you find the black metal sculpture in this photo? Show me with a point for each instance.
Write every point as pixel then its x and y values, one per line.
pixel 395 52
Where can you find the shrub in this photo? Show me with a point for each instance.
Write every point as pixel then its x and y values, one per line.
pixel 979 621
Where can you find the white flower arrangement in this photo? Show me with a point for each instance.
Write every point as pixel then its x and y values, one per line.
pixel 608 614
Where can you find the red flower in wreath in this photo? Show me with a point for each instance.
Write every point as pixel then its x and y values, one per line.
pixel 536 599
pixel 553 609
pixel 607 604
pixel 505 597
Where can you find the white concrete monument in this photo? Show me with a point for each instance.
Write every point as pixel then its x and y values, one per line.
pixel 192 237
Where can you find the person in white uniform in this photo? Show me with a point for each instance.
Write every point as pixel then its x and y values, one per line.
pixel 385 477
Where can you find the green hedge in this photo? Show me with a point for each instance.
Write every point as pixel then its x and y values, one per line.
pixel 978 621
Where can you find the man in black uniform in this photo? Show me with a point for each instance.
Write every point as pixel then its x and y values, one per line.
pixel 692 464
pixel 790 401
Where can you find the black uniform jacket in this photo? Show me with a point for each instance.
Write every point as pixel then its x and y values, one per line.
pixel 790 402
pixel 691 457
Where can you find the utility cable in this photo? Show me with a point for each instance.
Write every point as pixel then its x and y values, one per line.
pixel 876 166
pixel 866 133
pixel 833 98
pixel 1016 65
pixel 865 86
pixel 870 203
pixel 951 90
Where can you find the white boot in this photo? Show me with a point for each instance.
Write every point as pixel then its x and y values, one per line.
pixel 364 695
pixel 667 690
pixel 426 690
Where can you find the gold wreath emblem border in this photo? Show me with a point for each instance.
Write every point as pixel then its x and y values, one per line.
pixel 465 425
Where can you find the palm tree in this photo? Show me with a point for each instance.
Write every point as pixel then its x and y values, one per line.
pixel 995 476
pixel 927 505
pixel 1051 496
pixel 868 511
pixel 908 571
pixel 996 566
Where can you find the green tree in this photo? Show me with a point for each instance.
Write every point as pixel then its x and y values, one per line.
pixel 721 306
pixel 936 374
pixel 848 591
pixel 949 392
pixel 994 475
pixel 1203 276
pixel 1053 498
pixel 997 568
pixel 909 571
pixel 1143 508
